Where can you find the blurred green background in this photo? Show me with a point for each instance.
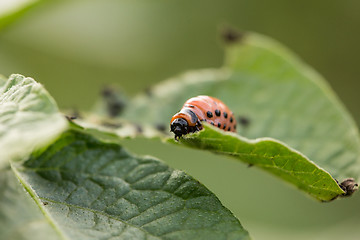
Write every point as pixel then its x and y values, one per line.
pixel 76 47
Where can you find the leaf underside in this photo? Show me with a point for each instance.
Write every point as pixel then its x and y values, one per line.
pixel 270 155
pixel 273 94
pixel 20 217
pixel 90 189
pixel 29 118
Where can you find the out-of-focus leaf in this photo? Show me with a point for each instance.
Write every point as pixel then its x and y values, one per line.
pixel 29 118
pixel 2 80
pixel 274 94
pixel 10 10
pixel 94 123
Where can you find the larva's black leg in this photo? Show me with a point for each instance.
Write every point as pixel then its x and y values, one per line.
pixel 198 126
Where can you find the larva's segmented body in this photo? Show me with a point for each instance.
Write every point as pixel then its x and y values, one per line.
pixel 202 108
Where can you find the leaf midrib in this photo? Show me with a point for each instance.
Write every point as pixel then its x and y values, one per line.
pixel 236 153
pixel 38 203
pixel 53 222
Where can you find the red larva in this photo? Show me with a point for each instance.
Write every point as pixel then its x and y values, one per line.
pixel 202 108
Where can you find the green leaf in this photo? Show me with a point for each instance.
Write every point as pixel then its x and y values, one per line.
pixel 85 185
pixel 270 155
pixel 88 189
pixel 274 94
pixel 10 10
pixel 29 118
pixel 20 217
pixel 305 112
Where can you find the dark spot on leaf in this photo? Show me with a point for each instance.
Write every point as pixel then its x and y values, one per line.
pixel 138 128
pixel 230 36
pixel 111 124
pixel 160 127
pixel 115 108
pixel 45 203
pixel 73 114
pixel 244 121
pixel 107 92
pixel 70 118
pixel 114 104
pixel 148 91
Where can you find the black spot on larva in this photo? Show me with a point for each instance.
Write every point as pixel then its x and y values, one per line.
pixel 212 123
pixel 217 112
pixel 229 128
pixel 231 36
pixel 244 121
pixel 231 119
pixel 225 115
pixel 191 106
pixel 209 114
pixel 224 127
pixel 219 125
pixel 235 127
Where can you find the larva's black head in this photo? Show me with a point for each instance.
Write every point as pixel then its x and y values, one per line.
pixel 180 127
